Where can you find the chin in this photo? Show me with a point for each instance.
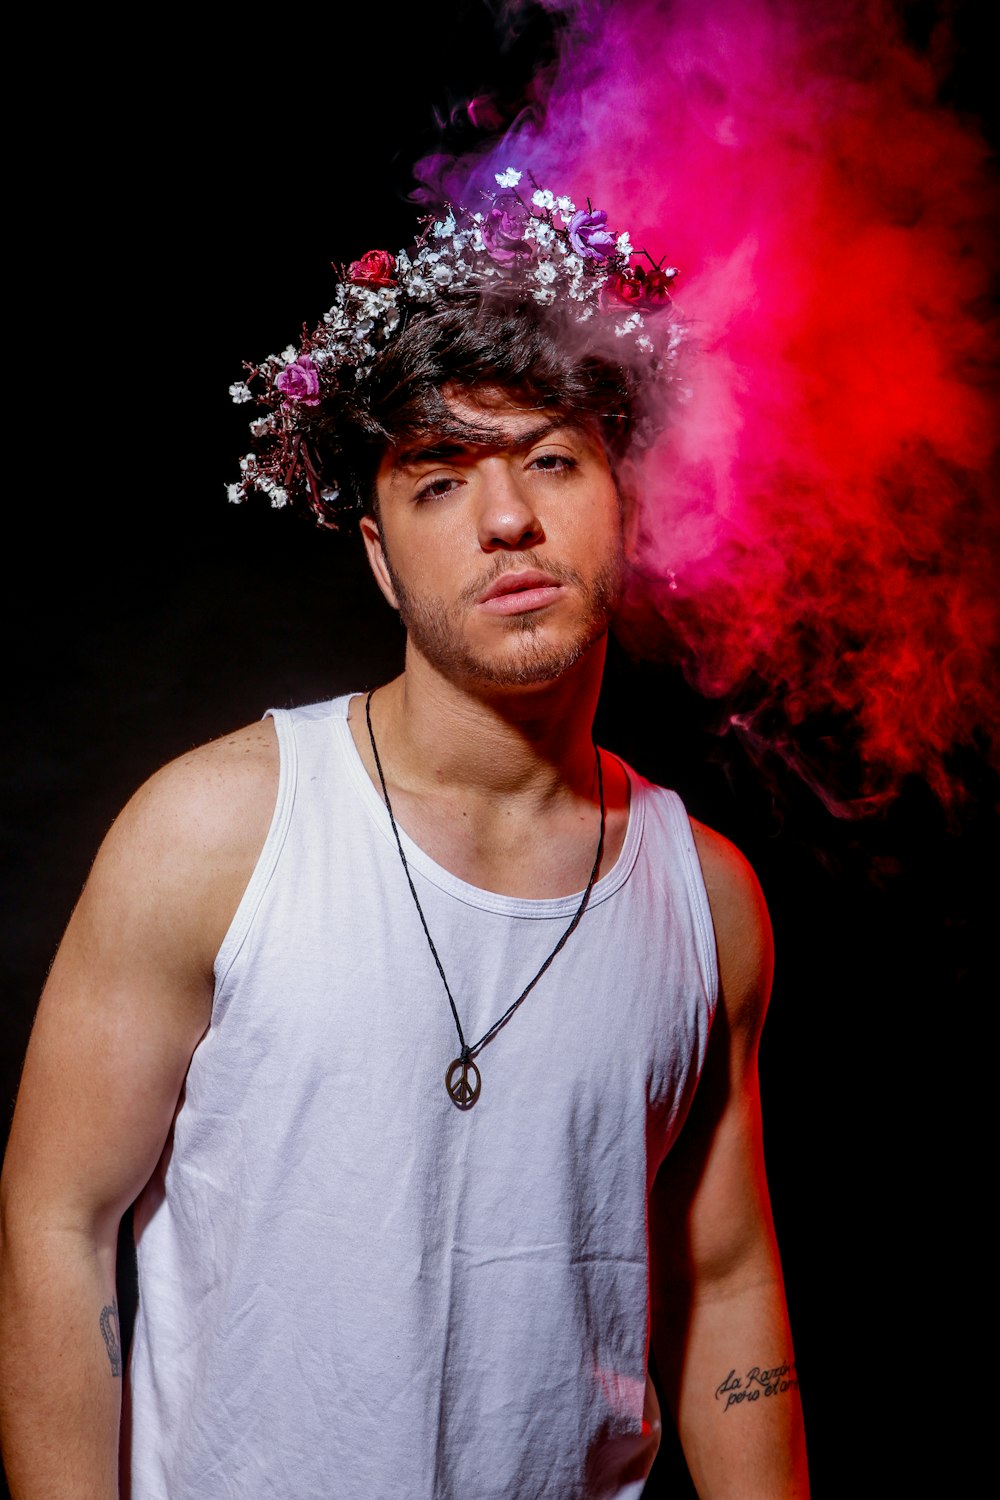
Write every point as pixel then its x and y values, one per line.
pixel 525 659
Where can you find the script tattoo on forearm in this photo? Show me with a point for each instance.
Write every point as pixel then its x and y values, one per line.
pixel 758 1381
pixel 111 1333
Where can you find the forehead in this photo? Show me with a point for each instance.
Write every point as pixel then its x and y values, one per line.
pixel 496 410
pixel 489 421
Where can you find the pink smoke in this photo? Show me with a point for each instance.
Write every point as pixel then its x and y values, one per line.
pixel 818 531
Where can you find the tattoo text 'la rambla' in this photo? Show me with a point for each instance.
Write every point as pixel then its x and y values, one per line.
pixel 758 1381
pixel 111 1333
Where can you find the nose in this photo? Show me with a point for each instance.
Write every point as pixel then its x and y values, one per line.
pixel 507 517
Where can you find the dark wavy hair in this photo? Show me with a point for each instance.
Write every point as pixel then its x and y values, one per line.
pixel 505 341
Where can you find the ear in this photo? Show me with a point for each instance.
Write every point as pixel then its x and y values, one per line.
pixel 372 538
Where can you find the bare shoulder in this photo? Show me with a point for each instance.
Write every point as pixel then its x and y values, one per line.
pixel 187 841
pixel 204 781
pixel 215 786
pixel 742 927
pixel 130 991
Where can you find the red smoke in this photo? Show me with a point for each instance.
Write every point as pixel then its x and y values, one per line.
pixel 818 529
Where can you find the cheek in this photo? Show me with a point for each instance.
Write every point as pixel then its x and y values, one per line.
pixel 419 567
pixel 599 523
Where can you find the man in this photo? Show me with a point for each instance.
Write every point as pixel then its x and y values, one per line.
pixel 422 1033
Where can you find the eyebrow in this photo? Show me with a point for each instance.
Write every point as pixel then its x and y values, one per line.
pixel 436 450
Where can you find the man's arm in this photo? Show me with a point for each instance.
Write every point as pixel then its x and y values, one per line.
pixel 720 1325
pixel 127 1000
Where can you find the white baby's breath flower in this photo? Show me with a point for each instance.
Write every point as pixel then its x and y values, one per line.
pixel 262 425
pixel 371 302
pixel 235 494
pixel 645 343
pixel 631 323
pixel 545 272
pixel 623 244
pixel 290 354
pixel 545 234
pixel 509 178
pixel 443 274
pixel 544 295
pixel 542 198
pixel 444 228
pixel 279 497
pixel 240 392
pixel 566 206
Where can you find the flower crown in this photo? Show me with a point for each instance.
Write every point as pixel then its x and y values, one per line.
pixel 544 245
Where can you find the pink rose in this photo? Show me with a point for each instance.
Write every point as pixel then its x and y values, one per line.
pixel 299 382
pixel 376 268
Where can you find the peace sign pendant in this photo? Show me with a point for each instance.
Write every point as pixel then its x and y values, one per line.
pixel 463 1082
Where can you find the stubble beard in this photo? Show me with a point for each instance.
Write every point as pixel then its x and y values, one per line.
pixel 436 630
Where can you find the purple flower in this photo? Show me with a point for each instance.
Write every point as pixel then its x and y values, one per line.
pixel 299 382
pixel 588 235
pixel 503 230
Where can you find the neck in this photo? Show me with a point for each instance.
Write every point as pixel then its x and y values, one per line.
pixel 475 737
pixel 500 788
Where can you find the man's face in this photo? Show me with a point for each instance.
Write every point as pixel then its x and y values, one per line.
pixel 504 559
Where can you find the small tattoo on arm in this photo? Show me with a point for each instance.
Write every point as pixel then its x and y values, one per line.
pixel 757 1382
pixel 111 1333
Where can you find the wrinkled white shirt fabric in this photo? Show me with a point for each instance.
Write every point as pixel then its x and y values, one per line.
pixel 348 1286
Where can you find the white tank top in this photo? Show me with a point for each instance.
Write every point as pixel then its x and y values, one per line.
pixel 349 1287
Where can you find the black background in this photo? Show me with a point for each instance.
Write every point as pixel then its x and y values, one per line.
pixel 184 217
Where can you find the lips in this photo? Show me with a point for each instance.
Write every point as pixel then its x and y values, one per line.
pixel 519 591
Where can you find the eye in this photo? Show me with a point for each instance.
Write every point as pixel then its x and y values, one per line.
pixel 553 463
pixel 435 488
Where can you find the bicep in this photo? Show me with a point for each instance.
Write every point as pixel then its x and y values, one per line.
pixel 127 999
pixel 710 1217
pixel 105 1065
pixel 710 1212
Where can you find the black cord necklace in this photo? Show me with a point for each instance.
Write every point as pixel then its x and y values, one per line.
pixel 462 1079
